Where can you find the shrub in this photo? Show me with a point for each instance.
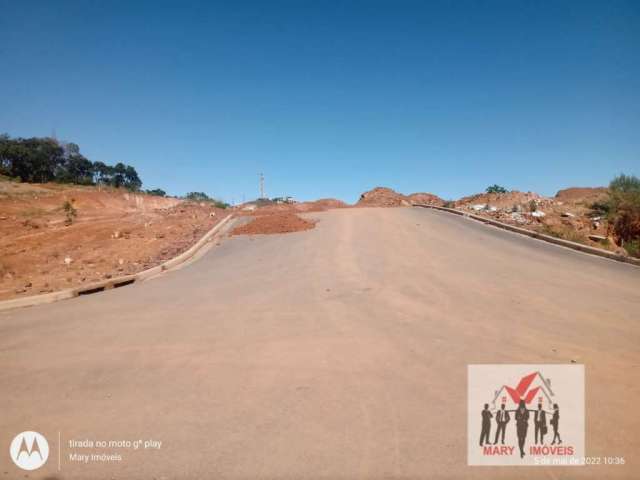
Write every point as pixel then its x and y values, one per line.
pixel 633 248
pixel 624 211
pixel 496 189
pixel 203 197
pixel 70 212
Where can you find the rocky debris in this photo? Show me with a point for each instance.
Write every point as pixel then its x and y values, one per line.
pixel 383 197
pixel 517 217
pixel 568 215
pixel 286 222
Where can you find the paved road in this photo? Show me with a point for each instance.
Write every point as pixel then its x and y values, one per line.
pixel 339 352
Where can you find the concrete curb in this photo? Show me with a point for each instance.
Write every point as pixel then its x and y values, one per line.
pixel 540 236
pixel 114 282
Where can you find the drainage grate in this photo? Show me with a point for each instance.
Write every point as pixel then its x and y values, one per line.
pixel 91 290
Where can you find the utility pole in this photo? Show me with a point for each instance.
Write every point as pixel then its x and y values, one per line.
pixel 261 185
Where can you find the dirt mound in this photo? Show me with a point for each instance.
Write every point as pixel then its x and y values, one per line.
pixel 426 199
pixel 501 200
pixel 383 197
pixel 282 222
pixel 582 194
pixel 328 203
pixel 113 233
pixel 254 210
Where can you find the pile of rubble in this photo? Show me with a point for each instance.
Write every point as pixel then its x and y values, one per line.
pixel 569 214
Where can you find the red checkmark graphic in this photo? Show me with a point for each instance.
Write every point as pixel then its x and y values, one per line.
pixel 518 393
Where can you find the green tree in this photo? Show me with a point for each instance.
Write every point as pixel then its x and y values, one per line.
pixel 131 179
pixel 46 159
pixel 496 189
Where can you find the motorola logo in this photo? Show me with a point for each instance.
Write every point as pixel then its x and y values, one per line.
pixel 29 450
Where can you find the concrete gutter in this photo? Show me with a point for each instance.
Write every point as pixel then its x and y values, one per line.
pixel 118 281
pixel 540 236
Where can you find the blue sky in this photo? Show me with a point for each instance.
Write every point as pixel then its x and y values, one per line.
pixel 330 99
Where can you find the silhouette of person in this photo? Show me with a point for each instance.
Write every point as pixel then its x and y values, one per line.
pixel 540 422
pixel 555 421
pixel 522 424
pixel 486 425
pixel 502 418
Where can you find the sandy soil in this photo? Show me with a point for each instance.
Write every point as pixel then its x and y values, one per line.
pixel 114 233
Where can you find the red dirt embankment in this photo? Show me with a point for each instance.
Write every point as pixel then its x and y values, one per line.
pixel 114 233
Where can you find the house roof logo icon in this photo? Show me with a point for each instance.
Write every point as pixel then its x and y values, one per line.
pixel 527 388
pixel 29 450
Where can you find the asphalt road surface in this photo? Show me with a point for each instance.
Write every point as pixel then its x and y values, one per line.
pixel 339 352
